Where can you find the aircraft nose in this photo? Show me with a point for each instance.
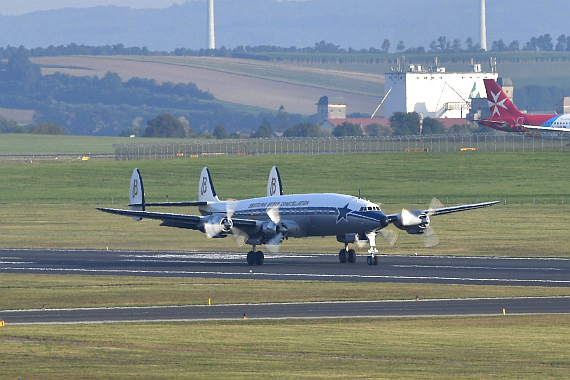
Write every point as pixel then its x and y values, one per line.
pixel 383 219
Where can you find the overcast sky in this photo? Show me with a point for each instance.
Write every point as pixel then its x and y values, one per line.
pixel 18 7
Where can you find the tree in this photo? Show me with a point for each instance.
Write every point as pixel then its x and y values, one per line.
pixel 469 44
pixel 219 132
pixel 7 126
pixel 403 123
pixel 166 125
pixel 45 129
pixel 347 129
pixel 498 46
pixel 20 68
pixel 264 132
pixel 401 46
pixel 377 130
pixel 514 46
pixel 561 45
pixel 385 45
pixel 282 119
pixel 432 127
pixel 304 130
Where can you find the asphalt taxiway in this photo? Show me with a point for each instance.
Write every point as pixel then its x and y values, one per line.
pixel 361 309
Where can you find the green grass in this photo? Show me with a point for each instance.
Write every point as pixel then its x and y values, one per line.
pixel 523 177
pixel 50 204
pixel 432 348
pixel 32 291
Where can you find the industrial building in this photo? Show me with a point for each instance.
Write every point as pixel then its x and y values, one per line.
pixel 434 92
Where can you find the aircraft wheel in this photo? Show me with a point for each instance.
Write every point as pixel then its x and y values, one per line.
pixel 251 258
pixel 372 260
pixel 343 256
pixel 351 256
pixel 259 258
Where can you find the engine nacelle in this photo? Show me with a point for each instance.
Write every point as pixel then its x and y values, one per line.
pixel 413 222
pixel 218 226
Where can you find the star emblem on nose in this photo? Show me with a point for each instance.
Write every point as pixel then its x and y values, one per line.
pixel 343 213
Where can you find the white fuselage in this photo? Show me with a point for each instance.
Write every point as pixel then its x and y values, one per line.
pixel 314 214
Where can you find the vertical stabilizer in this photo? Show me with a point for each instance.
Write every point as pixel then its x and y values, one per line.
pixel 500 105
pixel 136 193
pixel 274 186
pixel 206 191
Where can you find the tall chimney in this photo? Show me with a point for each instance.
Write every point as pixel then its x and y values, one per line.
pixel 211 37
pixel 483 27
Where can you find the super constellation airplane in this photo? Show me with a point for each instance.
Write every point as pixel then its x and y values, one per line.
pixel 505 116
pixel 271 219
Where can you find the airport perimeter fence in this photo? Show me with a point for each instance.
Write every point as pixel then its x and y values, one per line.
pixel 479 142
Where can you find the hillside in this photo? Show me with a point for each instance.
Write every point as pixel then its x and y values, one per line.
pixel 265 85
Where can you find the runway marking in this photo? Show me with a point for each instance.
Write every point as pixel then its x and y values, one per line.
pixel 472 267
pixel 307 275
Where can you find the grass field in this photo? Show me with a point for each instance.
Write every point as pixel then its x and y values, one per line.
pixel 51 204
pixel 431 348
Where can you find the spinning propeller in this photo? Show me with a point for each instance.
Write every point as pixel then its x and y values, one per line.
pixel 422 220
pixel 279 229
pixel 218 224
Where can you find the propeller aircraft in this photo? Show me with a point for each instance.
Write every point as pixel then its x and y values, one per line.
pixel 271 219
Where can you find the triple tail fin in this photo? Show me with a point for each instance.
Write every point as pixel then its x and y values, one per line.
pixel 274 186
pixel 136 193
pixel 206 191
pixel 499 103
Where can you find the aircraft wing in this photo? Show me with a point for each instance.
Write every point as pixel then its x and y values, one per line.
pixel 174 204
pixel 192 222
pixel 394 218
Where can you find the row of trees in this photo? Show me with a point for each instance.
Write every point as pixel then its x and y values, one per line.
pixel 442 45
pixel 108 106
pixel 400 124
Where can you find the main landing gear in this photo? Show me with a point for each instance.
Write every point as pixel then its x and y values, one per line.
pixel 255 257
pixel 347 255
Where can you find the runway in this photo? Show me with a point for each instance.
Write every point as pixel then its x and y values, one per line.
pixel 313 267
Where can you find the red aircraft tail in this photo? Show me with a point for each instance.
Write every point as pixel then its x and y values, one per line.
pixel 499 103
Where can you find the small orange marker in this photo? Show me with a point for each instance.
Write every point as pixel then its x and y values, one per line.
pixel 244 317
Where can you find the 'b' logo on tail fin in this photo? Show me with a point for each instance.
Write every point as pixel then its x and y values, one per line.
pixel 204 187
pixel 273 187
pixel 135 189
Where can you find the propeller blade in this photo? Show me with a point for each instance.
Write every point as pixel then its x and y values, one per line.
pixel 434 205
pixel 273 213
pixel 431 238
pixel 240 237
pixel 408 218
pixel 390 236
pixel 273 244
pixel 231 206
pixel 212 229
pixel 360 243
